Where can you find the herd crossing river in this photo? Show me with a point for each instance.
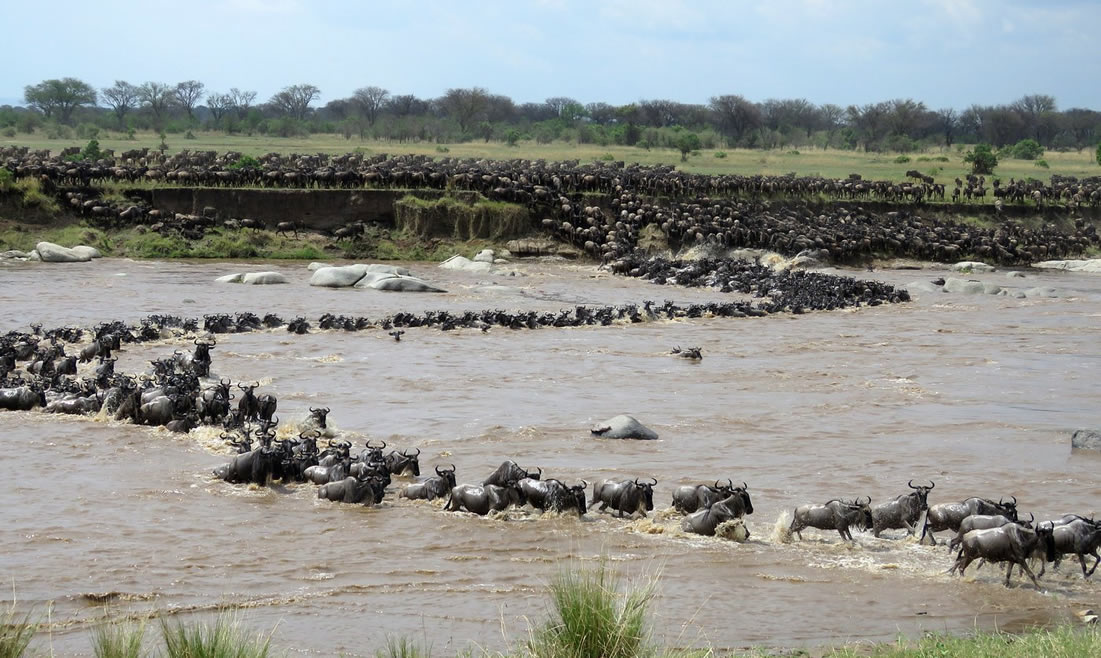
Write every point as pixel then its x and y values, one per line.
pixel 977 393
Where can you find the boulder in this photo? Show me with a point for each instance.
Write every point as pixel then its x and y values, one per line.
pixel 464 264
pixel 972 266
pixel 315 266
pixel 1042 292
pixel 1015 275
pixel 484 256
pixel 404 284
pixel 14 254
pixel 1090 265
pixel 91 252
pixel 531 247
pixel 623 427
pixel 1086 439
pixel 964 286
pixel 263 278
pixel 922 285
pixel 230 278
pixel 34 255
pixel 388 269
pixel 991 289
pixel 53 253
pixel 338 277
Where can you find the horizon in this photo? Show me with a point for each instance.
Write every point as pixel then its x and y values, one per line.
pixel 616 52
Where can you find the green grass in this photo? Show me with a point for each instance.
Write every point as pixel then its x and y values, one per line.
pixel 809 161
pixel 403 647
pixel 118 640
pixel 223 638
pixel 1061 642
pixel 592 618
pixel 16 632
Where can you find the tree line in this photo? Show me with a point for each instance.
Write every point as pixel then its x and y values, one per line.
pixel 465 114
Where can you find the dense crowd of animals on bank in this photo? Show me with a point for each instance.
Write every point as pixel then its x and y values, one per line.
pixel 179 393
pixel 728 212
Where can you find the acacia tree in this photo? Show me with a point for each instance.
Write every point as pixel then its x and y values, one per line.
pixel 121 98
pixel 158 97
pixel 736 116
pixel 218 104
pixel 241 101
pixel 465 105
pixel 295 100
pixel 59 97
pixel 370 100
pixel 948 121
pixel 187 94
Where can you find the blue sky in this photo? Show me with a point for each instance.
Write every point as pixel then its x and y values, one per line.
pixel 947 53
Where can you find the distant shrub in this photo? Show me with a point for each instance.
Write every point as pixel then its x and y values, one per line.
pixel 643 144
pixel 442 149
pixel 1027 149
pixel 793 152
pixel 245 161
pixel 982 159
pixel 902 159
pixel 1041 163
pixel 9 131
pixel 512 137
pixel 1099 154
pixel 189 135
pixel 608 157
pixel 720 154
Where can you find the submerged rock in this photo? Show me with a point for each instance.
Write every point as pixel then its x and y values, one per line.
pixel 972 266
pixel 263 278
pixel 49 252
pixel 1086 439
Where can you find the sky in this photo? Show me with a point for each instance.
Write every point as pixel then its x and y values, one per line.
pixel 946 53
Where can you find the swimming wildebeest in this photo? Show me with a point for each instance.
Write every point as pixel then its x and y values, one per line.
pixel 624 496
pixel 835 514
pixel 902 512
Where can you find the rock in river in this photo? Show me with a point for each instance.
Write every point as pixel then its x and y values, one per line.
pixel 623 427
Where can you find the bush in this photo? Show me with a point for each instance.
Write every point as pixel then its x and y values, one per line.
pixel 9 131
pixel 442 149
pixel 591 618
pixel 687 143
pixel 245 161
pixel 512 137
pixel 608 157
pixel 225 637
pixel 981 159
pixel 91 151
pixel 720 154
pixel 1041 163
pixel 189 135
pixel 118 640
pixel 902 159
pixel 7 179
pixel 1027 149
pixel 15 633
pixel 1099 154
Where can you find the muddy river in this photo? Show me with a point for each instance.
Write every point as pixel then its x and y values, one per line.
pixel 978 393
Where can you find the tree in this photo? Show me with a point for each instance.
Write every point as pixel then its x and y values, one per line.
pixel 1027 149
pixel 558 104
pixel 406 105
pixel 736 116
pixel 219 104
pixel 121 98
pixel 295 100
pixel 869 121
pixel 158 98
pixel 947 121
pixel 370 100
pixel 833 116
pixel 686 143
pixel 1099 154
pixel 59 97
pixel 241 101
pixel 982 159
pixel 465 105
pixel 601 113
pixel 187 94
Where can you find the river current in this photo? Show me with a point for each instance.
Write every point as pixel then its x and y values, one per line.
pixel 978 393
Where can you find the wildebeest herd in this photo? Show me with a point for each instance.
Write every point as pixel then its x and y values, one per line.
pixel 179 393
pixel 603 208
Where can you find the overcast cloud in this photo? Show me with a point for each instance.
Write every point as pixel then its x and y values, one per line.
pixel 947 53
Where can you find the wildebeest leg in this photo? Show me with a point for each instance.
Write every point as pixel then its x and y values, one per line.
pixel 1024 565
pixel 1096 560
pixel 1082 561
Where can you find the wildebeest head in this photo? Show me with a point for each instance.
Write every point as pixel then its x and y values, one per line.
pixel 319 415
pixel 577 491
pixel 647 490
pixel 922 493
pixel 864 506
pixel 510 470
pixel 742 492
pixel 372 453
pixel 448 475
pixel 1046 534
pixel 1008 510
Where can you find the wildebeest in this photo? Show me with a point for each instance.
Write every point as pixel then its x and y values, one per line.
pixel 624 496
pixel 317 418
pixel 368 491
pixel 326 474
pixel 1010 543
pixel 197 362
pixel 21 398
pixel 1079 537
pixel 553 494
pixel 403 464
pixel 689 498
pixel 252 467
pixel 982 522
pixel 948 516
pixel 432 488
pixel 249 405
pixel 835 514
pixel 902 512
pixel 509 471
pixel 265 406
pixel 481 500
pixel 704 521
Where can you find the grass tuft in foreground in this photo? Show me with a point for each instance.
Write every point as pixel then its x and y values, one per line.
pixel 15 633
pixel 591 618
pixel 224 638
pixel 403 647
pixel 118 640
pixel 1060 642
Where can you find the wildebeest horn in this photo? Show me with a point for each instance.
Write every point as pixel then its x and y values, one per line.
pixel 655 481
pixel 584 484
pixel 327 410
pixel 312 410
pixel 932 485
pixel 225 381
pixel 1031 517
pixel 717 485
pixel 438 471
pixel 745 487
pixel 196 341
pixel 1014 500
pixel 911 484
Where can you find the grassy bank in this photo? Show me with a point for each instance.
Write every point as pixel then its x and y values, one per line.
pixel 448 217
pixel 375 244
pixel 943 164
pixel 593 613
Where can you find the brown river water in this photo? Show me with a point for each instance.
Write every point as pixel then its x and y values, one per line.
pixel 978 393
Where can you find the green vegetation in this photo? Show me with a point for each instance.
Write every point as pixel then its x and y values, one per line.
pixel 459 219
pixel 1026 149
pixel 687 143
pixel 1098 154
pixel 245 161
pixel 902 159
pixel 982 159
pixel 1062 642
pixel 590 617
pixel 16 632
pixel 225 638
pixel 118 640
